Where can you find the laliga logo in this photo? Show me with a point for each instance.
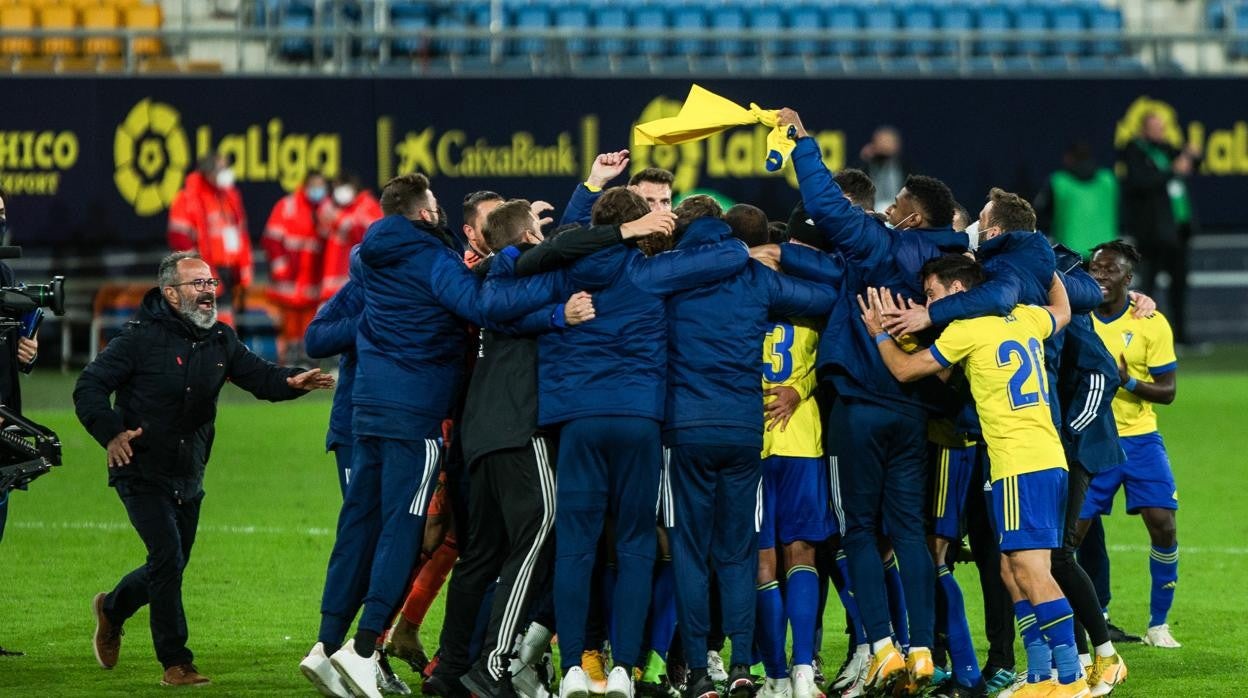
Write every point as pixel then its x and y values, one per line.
pixel 1225 149
pixel 151 154
pixel 1129 126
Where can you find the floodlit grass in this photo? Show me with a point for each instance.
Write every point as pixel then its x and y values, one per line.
pixel 253 586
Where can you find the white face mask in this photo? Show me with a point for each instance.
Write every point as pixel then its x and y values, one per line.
pixel 903 222
pixel 225 178
pixel 344 194
pixel 972 235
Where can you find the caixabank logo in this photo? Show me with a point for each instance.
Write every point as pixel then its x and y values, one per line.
pixel 150 156
pixel 153 149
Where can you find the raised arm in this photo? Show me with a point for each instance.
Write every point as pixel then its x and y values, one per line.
pixel 606 167
pixel 264 379
pixel 811 264
pixel 791 297
pixel 332 331
pixel 906 368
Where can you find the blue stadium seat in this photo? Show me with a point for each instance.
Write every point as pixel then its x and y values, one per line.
pixel 918 18
pixel 451 46
pixel 611 17
pixel 573 19
pixel 1034 23
pixel 844 18
pixel 1216 14
pixel 728 17
pixel 1106 24
pixel 991 19
pixel 880 18
pixel 296 16
pixel 768 20
pixel 404 17
pixel 646 19
pixel 1239 47
pixel 804 19
pixel 956 20
pixel 689 17
pixel 530 17
pixel 1068 18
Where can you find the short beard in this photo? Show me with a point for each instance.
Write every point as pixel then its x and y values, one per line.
pixel 203 319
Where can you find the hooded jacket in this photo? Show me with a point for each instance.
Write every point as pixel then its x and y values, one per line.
pixel 715 336
pixel 616 365
pixel 167 374
pixel 874 255
pixel 332 332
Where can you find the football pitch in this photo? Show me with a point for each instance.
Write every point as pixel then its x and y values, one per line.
pixel 252 590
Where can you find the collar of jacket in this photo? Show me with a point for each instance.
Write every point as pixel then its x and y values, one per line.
pixel 1002 243
pixel 946 238
pixel 156 309
pixel 704 231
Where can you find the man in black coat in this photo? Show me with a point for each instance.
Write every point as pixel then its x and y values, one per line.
pixel 1157 211
pixel 167 369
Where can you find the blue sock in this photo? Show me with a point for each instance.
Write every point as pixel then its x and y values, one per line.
pixel 770 630
pixel 801 599
pixel 1163 564
pixel 663 607
pixel 610 573
pixel 1039 656
pixel 897 604
pixel 961 649
pixel 846 593
pixel 1057 622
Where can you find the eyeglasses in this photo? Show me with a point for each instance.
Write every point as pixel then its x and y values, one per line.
pixel 200 284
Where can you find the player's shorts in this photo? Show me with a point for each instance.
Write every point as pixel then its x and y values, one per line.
pixel 1145 475
pixel 796 501
pixel 1029 510
pixel 438 503
pixel 949 481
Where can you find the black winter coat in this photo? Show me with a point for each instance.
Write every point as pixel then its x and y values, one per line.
pixel 167 375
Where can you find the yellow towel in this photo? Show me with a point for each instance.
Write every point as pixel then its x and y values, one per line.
pixel 704 114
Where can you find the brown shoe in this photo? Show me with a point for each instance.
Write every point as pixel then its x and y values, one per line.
pixel 107 639
pixel 404 643
pixel 183 675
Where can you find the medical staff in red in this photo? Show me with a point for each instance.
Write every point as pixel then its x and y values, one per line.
pixel 345 216
pixel 294 244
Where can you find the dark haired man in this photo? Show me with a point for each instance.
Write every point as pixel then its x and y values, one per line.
pixel 877 427
pixel 167 369
pixel 477 207
pixel 1147 368
pixel 858 187
pixel 604 382
pixel 654 184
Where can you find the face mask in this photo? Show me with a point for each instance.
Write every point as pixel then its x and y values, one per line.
pixel 972 236
pixel 903 221
pixel 225 178
pixel 315 194
pixel 344 194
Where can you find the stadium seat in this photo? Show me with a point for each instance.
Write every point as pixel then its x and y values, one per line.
pixel 918 18
pixel 573 20
pixel 955 20
pixel 1106 24
pixel 728 17
pixel 1068 18
pixel 990 19
pixel 17 18
pixel 1033 22
pixel 408 18
pixel 58 17
pixel 450 46
pixel 843 18
pixel 296 16
pixel 101 17
pixel 803 20
pixel 767 21
pixel 880 18
pixel 530 17
pixel 611 17
pixel 1239 48
pixel 646 20
pixel 145 17
pixel 689 18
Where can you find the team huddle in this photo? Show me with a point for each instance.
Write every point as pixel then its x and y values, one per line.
pixel 579 423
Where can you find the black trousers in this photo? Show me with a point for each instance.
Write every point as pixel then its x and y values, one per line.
pixel 167 526
pixel 511 513
pixel 1170 257
pixel 1072 578
pixel 998 606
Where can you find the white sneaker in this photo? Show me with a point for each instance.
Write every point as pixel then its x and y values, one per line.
pixel 359 674
pixel 857 687
pixel 804 681
pixel 575 684
pixel 715 667
pixel 619 683
pixel 321 673
pixel 854 667
pixel 1159 636
pixel 776 688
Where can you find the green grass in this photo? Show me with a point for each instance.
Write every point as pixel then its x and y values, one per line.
pixel 253 586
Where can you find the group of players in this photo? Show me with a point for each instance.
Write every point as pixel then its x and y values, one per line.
pixel 921 376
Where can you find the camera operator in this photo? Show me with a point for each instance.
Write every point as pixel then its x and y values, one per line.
pixel 15 352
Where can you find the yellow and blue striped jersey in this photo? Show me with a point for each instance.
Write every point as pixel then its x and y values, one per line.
pixel 789 359
pixel 1147 346
pixel 1004 361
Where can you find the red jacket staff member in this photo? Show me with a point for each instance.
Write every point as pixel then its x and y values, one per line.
pixel 294 245
pixel 350 213
pixel 207 216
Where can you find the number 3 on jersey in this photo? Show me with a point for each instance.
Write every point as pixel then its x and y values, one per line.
pixel 1030 360
pixel 778 366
